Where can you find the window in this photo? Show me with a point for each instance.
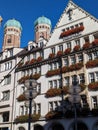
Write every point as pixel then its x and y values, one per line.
pixel 9 39
pixel 41 44
pixel 96 74
pixel 20 128
pixel 28 57
pixel 81 78
pixel 89 56
pixel 22 89
pixel 34 55
pixel 55 104
pixel 7 80
pixel 39 88
pixel 91 77
pixel 50 106
pixel 5 116
pixel 55 83
pixel 21 110
pixel 50 84
pixel 66 62
pixel 8 65
pixel 69 45
pixel 41 53
pixel 0 68
pixel 50 66
pixel 55 65
pixel 39 70
pixel 80 58
pixel 59 83
pixel 81 24
pixel 53 50
pixel 94 101
pixel 34 109
pixel 38 108
pixel 6 95
pixel 67 28
pixel 0 57
pixel 95 54
pixel 73 60
pixel 77 42
pixel 34 70
pixel 26 110
pixel 67 81
pixel 11 52
pixel 61 48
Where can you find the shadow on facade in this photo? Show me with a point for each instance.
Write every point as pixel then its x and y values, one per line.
pixel 38 127
pixel 80 126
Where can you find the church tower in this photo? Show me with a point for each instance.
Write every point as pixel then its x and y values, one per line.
pixel 12 34
pixel 42 28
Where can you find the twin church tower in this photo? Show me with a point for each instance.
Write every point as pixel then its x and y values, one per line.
pixel 13 29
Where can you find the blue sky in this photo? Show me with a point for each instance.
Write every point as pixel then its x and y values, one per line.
pixel 27 11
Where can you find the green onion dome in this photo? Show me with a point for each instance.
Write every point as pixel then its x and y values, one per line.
pixel 13 23
pixel 42 20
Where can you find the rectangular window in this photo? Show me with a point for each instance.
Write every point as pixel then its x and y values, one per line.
pixel 91 77
pixel 34 55
pixel 7 80
pixel 6 95
pixel 69 45
pixel 34 109
pixel 9 40
pixel 11 52
pixel 96 76
pixel 61 48
pixel 55 65
pixel 50 106
pixel 53 50
pixel 66 62
pixel 77 42
pixel 0 57
pixel 95 54
pixel 39 88
pixel 8 65
pixel 55 104
pixel 81 78
pixel 39 70
pixel 73 60
pixel 89 57
pixel 50 84
pixel 5 116
pixel 67 81
pixel 50 66
pixel 26 110
pixel 59 83
pixel 55 84
pixel 21 110
pixel 38 108
pixel 94 101
pixel 80 58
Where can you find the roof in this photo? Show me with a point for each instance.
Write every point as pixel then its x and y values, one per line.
pixel 13 23
pixel 42 20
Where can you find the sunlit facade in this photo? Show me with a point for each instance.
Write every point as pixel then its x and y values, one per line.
pixel 53 59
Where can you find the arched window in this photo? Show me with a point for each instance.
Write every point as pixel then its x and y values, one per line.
pixel 21 128
pixel 80 126
pixel 38 127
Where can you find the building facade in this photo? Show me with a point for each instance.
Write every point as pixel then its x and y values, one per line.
pixel 8 62
pixel 54 60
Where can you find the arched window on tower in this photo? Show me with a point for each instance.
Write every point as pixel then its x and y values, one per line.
pixel 9 39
